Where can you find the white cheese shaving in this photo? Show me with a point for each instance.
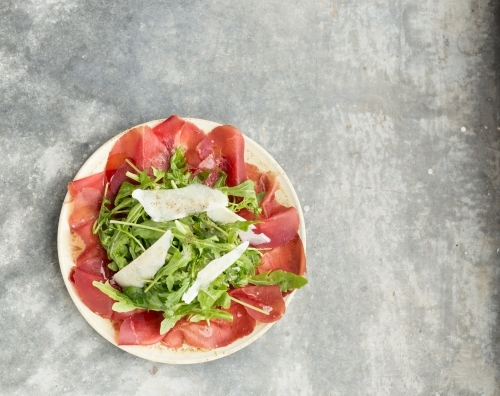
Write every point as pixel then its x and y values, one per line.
pixel 146 265
pixel 221 214
pixel 213 269
pixel 165 205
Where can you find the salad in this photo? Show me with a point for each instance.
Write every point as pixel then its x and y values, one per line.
pixel 182 242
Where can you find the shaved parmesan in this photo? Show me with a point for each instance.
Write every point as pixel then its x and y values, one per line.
pixel 221 214
pixel 213 269
pixel 146 265
pixel 165 205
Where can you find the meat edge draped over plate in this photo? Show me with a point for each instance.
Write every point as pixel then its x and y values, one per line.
pixel 223 148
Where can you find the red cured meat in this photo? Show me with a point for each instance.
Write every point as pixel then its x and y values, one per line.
pixel 220 332
pixel 86 195
pixel 189 138
pixel 86 206
pixel 142 328
pixel 121 316
pixel 124 148
pixel 227 145
pixel 151 152
pixel 175 132
pixel 168 129
pixel 269 183
pixel 289 257
pixel 92 297
pixel 142 147
pixel 97 181
pixel 175 337
pixel 93 258
pixel 281 227
pixel 117 179
pixel 278 222
pixel 268 298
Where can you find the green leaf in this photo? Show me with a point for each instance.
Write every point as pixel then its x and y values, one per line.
pixel 246 191
pixel 123 304
pixel 207 297
pixel 286 280
pixel 168 323
pixel 211 314
pixel 126 190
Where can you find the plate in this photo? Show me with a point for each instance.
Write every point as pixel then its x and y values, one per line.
pixel 96 163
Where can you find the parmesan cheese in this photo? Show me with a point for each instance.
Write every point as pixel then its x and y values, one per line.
pixel 213 269
pixel 146 265
pixel 165 205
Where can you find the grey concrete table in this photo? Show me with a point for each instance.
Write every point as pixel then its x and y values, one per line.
pixel 384 115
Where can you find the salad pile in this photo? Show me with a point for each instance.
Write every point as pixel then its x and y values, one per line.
pixel 248 289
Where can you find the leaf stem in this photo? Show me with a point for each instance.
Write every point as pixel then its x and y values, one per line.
pixel 248 305
pixel 134 238
pixel 132 176
pixel 137 225
pixel 133 166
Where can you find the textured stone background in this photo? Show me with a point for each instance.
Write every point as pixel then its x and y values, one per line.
pixel 384 115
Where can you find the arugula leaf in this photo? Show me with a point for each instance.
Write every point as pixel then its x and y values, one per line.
pixel 246 191
pixel 123 304
pixel 209 296
pixel 168 323
pixel 286 280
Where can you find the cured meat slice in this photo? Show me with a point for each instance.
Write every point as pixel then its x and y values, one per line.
pixel 97 181
pixel 175 132
pixel 268 298
pixel 141 146
pixel 269 183
pixel 142 328
pixel 218 334
pixel 86 206
pixel 278 222
pixel 93 248
pixel 168 129
pixel 92 297
pixel 86 196
pixel 189 138
pixel 281 227
pixel 175 337
pixel 124 148
pixel 227 145
pixel 116 180
pixel 289 257
pixel 151 152
pixel 121 316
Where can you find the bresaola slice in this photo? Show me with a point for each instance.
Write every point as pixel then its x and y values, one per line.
pixel 175 132
pixel 227 146
pixel 142 328
pixel 289 257
pixel 267 298
pixel 92 297
pixel 218 334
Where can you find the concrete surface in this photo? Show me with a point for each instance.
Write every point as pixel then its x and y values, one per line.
pixel 384 115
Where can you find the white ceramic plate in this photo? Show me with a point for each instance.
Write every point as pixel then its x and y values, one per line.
pixel 254 154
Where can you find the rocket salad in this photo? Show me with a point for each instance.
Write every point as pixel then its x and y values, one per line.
pixel 126 231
